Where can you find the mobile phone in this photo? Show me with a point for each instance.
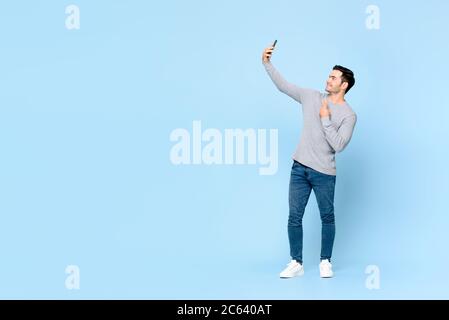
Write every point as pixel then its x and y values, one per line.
pixel 274 43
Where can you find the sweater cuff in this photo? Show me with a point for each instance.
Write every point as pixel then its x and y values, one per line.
pixel 325 121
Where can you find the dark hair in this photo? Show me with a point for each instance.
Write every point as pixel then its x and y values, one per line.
pixel 347 76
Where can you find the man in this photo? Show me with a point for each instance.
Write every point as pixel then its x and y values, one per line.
pixel 328 126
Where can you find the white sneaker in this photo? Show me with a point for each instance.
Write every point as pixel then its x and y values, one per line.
pixel 293 269
pixel 326 269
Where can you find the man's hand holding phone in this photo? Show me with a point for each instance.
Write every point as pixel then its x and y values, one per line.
pixel 266 55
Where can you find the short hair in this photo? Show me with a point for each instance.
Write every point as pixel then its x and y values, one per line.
pixel 347 76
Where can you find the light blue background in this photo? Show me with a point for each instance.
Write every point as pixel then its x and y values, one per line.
pixel 85 175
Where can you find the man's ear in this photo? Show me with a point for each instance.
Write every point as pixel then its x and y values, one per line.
pixel 344 85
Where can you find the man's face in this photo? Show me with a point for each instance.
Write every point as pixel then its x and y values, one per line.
pixel 334 83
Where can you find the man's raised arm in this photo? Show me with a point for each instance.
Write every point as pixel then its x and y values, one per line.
pixel 284 86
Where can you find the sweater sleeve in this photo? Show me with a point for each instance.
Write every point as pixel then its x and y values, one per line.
pixel 297 93
pixel 339 138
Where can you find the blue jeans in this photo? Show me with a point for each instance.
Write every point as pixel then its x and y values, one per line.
pixel 302 180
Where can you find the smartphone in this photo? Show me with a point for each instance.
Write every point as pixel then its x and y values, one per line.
pixel 274 43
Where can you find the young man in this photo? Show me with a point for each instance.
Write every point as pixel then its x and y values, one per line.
pixel 328 126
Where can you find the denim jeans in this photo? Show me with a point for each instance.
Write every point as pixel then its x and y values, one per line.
pixel 302 180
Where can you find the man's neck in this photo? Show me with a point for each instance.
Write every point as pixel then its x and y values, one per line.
pixel 337 98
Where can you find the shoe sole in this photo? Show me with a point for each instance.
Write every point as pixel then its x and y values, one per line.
pixel 327 276
pixel 297 274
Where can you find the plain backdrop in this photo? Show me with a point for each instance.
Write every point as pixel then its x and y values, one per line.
pixel 85 173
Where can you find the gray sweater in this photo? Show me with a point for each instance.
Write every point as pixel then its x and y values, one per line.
pixel 321 138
